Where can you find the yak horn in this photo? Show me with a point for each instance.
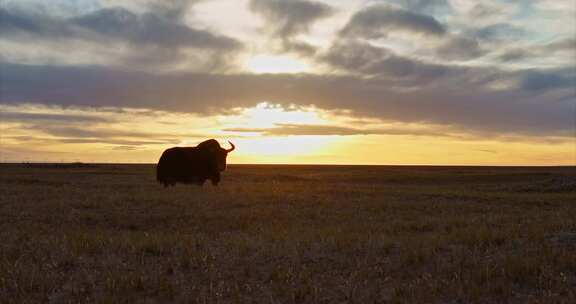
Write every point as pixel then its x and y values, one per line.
pixel 231 149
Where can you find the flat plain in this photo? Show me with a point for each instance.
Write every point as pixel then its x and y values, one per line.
pixel 80 233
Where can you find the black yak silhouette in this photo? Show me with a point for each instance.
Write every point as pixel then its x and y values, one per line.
pixel 192 165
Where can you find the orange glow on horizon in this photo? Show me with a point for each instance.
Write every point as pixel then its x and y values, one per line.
pixel 265 133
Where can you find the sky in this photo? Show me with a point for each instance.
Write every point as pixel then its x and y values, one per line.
pixel 434 82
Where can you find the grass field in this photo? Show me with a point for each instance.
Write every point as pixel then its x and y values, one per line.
pixel 288 234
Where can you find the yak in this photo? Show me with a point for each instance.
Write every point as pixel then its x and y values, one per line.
pixel 192 165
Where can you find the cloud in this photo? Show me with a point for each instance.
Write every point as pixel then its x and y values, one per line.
pixel 303 129
pixel 471 14
pixel 147 38
pixel 286 19
pixel 290 17
pixel 487 151
pixel 535 81
pixel 174 9
pixel 484 10
pixel 539 105
pixel 502 69
pixel 427 6
pixel 15 24
pixel 565 44
pixel 7 116
pixel 500 32
pixel 514 55
pixel 171 9
pixel 125 148
pixel 34 123
pixel 369 60
pixel 379 20
pixel 95 132
pixel 150 29
pixel 286 129
pixel 378 26
pixel 560 49
pixel 88 133
pixel 111 141
pixel 83 140
pixel 460 48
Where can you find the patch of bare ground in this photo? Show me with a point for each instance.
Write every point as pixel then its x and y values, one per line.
pixel 288 234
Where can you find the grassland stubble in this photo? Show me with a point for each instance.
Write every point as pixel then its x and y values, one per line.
pixel 288 234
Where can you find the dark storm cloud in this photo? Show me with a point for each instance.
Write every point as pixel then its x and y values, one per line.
pixel 377 21
pixel 300 129
pixel 285 19
pixel 540 106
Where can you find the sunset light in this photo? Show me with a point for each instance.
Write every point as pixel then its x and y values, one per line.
pixel 307 81
pixel 287 151
pixel 266 114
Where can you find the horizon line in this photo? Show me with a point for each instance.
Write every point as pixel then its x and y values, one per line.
pixel 289 164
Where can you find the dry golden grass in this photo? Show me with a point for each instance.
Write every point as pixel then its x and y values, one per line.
pixel 288 234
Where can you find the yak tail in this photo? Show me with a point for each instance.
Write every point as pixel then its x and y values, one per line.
pixel 158 175
pixel 160 169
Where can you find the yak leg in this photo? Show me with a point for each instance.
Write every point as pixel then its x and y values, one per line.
pixel 198 181
pixel 215 179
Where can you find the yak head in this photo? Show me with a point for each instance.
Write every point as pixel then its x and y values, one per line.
pixel 215 154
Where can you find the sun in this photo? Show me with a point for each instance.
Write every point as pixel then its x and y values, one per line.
pixel 256 126
pixel 275 64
